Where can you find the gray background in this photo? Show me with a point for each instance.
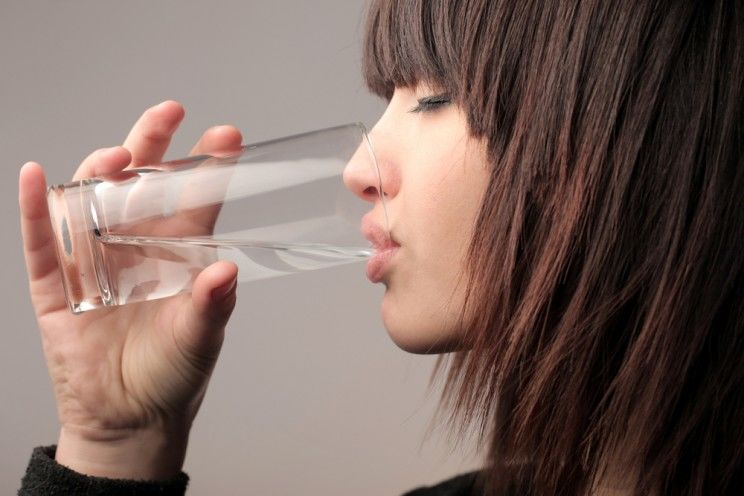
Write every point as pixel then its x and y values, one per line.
pixel 310 396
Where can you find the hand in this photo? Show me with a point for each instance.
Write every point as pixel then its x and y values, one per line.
pixel 128 380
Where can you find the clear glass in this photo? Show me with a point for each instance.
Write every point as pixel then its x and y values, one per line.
pixel 274 208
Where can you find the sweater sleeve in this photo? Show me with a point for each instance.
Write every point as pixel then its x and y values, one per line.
pixel 44 476
pixel 461 485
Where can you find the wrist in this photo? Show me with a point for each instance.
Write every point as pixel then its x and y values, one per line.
pixel 136 454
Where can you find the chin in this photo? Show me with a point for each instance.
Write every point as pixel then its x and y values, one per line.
pixel 421 346
pixel 423 329
pixel 422 336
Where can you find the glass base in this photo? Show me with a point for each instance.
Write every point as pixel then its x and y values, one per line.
pixel 73 215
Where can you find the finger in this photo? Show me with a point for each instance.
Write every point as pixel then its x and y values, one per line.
pixel 201 328
pixel 38 238
pixel 193 221
pixel 103 161
pixel 218 140
pixel 151 134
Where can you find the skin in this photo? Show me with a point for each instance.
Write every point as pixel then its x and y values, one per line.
pixel 129 380
pixel 434 176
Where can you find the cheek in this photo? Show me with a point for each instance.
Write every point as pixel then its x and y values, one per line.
pixel 444 215
pixel 438 205
pixel 438 209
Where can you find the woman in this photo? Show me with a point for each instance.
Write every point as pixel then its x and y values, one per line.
pixel 563 179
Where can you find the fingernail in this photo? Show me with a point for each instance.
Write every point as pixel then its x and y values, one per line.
pixel 220 293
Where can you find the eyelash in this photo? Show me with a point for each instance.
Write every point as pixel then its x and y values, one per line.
pixel 430 103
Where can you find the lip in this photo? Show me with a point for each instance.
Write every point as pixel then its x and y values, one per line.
pixel 379 263
pixel 385 247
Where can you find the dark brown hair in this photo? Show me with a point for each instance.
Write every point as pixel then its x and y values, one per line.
pixel 604 338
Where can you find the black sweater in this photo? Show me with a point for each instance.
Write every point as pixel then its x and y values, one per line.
pixel 46 477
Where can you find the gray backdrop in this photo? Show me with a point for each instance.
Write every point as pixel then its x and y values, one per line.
pixel 310 396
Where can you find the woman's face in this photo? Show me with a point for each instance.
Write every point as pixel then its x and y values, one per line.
pixel 434 177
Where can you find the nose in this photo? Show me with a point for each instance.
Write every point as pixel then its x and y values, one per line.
pixel 366 175
pixel 362 176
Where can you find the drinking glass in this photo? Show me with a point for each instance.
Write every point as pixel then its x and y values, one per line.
pixel 274 208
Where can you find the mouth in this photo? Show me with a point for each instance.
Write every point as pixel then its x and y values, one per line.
pixel 385 247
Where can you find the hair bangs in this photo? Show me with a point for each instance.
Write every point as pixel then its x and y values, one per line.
pixel 408 42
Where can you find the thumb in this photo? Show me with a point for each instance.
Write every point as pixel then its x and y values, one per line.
pixel 203 317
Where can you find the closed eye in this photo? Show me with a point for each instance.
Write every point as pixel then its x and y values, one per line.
pixel 430 103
